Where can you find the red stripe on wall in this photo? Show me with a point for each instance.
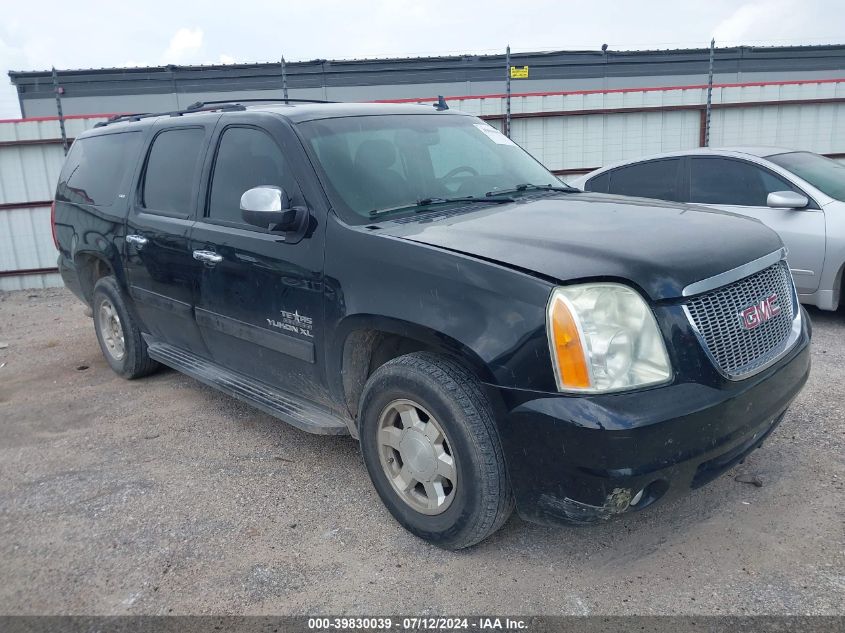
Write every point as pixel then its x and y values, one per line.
pixel 55 118
pixel 749 84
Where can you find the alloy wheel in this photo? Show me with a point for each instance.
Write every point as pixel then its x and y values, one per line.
pixel 416 457
pixel 111 330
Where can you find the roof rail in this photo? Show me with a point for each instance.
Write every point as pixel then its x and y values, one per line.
pixel 226 106
pixel 200 104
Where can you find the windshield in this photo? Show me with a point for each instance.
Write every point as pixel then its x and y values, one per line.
pixel 391 164
pixel 824 174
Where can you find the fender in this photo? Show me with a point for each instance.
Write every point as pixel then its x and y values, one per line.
pixel 491 316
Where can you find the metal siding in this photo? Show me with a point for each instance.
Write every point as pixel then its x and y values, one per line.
pixel 26 241
pixel 29 173
pixel 467 72
pixel 816 127
pixel 579 141
pixel 25 282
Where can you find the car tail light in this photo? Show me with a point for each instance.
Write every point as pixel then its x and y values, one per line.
pixel 53 223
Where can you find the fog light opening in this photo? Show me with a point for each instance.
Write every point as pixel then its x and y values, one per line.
pixel 648 494
pixel 637 497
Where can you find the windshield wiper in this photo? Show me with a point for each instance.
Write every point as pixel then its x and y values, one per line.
pixel 424 203
pixel 529 187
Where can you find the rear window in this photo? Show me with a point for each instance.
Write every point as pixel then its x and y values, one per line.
pixel 172 170
pixel 96 167
pixel 598 184
pixel 654 179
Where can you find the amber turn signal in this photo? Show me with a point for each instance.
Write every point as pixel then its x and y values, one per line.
pixel 570 359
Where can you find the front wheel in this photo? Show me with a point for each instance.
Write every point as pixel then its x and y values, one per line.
pixel 430 445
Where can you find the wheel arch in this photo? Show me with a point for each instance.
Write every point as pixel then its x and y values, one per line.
pixel 90 267
pixel 366 342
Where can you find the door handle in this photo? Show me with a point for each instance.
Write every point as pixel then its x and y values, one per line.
pixel 209 257
pixel 138 240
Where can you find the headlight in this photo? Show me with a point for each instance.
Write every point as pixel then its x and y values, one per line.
pixel 603 337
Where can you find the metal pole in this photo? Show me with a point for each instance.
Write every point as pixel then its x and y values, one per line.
pixel 284 79
pixel 709 95
pixel 508 91
pixel 58 91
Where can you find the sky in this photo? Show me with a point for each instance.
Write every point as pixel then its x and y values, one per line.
pixel 38 34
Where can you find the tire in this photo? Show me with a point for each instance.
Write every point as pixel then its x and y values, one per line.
pixel 401 400
pixel 118 333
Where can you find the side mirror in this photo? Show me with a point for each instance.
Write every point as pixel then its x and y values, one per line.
pixel 269 208
pixel 787 200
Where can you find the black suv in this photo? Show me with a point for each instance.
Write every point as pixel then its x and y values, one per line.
pixel 411 277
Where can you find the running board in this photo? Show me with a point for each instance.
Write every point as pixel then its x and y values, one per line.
pixel 303 415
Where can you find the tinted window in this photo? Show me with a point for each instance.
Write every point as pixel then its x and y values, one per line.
pixel 654 179
pixel 246 158
pixel 600 183
pixel 96 166
pixel 172 170
pixel 733 182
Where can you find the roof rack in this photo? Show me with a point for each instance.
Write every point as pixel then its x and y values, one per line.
pixel 120 118
pixel 200 104
pixel 226 105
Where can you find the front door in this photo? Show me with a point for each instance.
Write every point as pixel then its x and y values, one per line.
pixel 161 272
pixel 260 301
pixel 742 187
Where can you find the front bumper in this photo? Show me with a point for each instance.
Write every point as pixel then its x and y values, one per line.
pixel 582 459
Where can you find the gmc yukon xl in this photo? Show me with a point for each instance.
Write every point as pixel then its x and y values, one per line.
pixel 411 277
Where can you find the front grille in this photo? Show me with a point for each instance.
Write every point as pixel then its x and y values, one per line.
pixel 718 318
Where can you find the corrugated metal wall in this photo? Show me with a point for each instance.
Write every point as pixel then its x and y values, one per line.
pixel 576 132
pixel 90 91
pixel 31 157
pixel 570 132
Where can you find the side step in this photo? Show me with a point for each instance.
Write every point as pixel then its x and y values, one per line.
pixel 303 415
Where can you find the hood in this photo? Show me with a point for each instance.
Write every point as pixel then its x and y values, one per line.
pixel 661 247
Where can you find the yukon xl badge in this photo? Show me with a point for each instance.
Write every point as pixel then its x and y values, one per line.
pixel 759 313
pixel 293 322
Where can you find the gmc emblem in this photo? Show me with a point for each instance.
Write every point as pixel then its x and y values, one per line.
pixel 760 313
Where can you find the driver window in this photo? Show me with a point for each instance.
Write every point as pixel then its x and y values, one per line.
pixel 246 158
pixel 732 182
pixel 459 148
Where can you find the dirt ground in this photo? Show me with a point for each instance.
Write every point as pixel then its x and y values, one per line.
pixel 163 496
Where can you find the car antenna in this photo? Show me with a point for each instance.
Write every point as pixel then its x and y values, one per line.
pixel 441 103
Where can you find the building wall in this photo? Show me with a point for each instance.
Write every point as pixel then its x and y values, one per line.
pixel 30 161
pixel 569 131
pixel 110 90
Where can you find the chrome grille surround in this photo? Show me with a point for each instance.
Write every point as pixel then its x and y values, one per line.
pixel 738 352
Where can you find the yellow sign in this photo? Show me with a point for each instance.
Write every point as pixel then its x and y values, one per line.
pixel 519 72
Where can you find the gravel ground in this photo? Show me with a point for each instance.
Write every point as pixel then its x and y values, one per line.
pixel 163 496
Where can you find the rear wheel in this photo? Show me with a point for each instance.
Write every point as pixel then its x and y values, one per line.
pixel 430 445
pixel 118 333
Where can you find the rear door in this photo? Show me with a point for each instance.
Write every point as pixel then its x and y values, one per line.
pixel 162 274
pixel 742 187
pixel 260 305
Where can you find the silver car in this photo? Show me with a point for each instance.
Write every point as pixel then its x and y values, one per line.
pixel 801 195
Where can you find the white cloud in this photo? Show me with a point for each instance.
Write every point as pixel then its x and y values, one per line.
pixel 226 59
pixel 183 44
pixel 754 21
